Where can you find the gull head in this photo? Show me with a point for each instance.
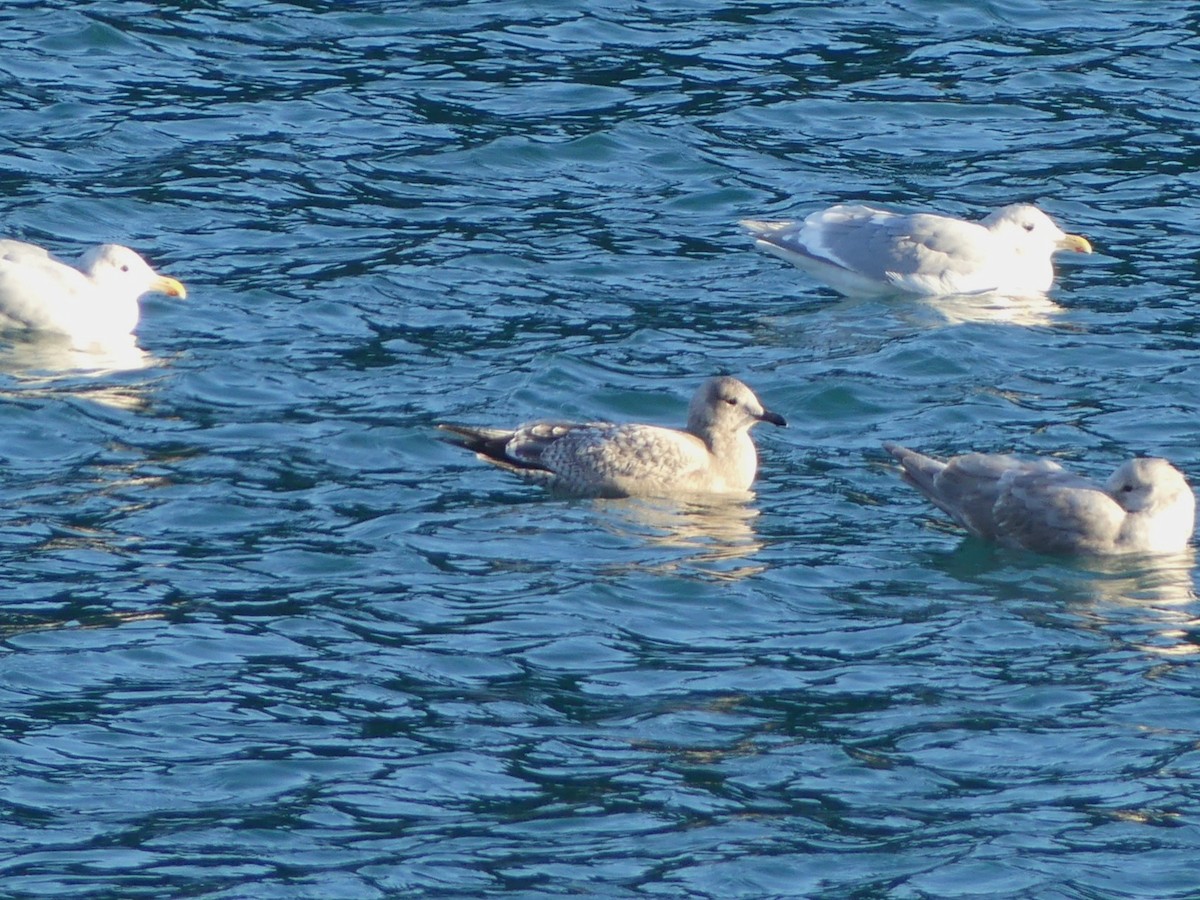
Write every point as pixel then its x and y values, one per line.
pixel 1148 484
pixel 724 404
pixel 118 271
pixel 1028 227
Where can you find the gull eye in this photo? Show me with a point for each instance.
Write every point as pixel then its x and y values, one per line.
pixel 731 401
pixel 1028 226
pixel 1128 489
pixel 124 268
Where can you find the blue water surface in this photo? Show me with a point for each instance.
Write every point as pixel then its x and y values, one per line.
pixel 265 636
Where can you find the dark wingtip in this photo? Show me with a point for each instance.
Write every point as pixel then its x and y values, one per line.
pixel 457 433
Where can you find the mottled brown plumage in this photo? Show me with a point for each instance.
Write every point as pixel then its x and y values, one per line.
pixel 714 454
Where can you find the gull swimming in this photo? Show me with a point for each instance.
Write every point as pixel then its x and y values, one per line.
pixel 94 301
pixel 713 454
pixel 1146 506
pixel 861 250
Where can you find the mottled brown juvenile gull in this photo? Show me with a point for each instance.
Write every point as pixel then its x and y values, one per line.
pixel 95 302
pixel 863 251
pixel 1145 506
pixel 714 454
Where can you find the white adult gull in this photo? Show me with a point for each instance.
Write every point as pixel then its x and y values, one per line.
pixel 1146 506
pixel 861 250
pixel 94 301
pixel 713 454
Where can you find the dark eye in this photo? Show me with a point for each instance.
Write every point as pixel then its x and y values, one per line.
pixel 1028 226
pixel 731 401
pixel 124 268
pixel 1127 488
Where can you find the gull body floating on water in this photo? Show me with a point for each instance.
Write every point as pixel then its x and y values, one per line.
pixel 714 454
pixel 864 251
pixel 1146 506
pixel 95 301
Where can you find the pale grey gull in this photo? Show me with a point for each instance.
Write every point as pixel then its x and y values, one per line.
pixel 95 302
pixel 1146 506
pixel 714 454
pixel 860 250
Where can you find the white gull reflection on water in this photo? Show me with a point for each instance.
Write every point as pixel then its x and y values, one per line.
pixel 1027 312
pixel 49 364
pixel 707 533
pixel 1154 596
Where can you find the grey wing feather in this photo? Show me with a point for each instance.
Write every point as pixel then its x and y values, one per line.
pixel 970 486
pixel 912 245
pixel 1057 512
pixel 854 244
pixel 880 246
pixel 1034 505
pixel 938 242
pixel 966 488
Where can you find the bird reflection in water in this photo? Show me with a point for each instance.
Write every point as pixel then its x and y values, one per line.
pixel 1032 311
pixel 14 624
pixel 49 365
pixel 1147 601
pixel 704 532
pixel 1152 595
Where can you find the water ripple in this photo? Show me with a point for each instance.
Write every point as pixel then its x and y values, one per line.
pixel 264 634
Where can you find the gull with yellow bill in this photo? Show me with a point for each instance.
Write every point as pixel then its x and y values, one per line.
pixel 93 302
pixel 861 250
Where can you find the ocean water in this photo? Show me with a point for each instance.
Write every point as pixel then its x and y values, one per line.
pixel 262 634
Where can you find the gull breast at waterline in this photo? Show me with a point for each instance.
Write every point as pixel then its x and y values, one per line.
pixel 95 301
pixel 1146 505
pixel 713 454
pixel 860 250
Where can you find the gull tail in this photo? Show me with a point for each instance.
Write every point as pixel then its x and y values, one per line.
pixel 487 443
pixel 490 445
pixel 919 470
